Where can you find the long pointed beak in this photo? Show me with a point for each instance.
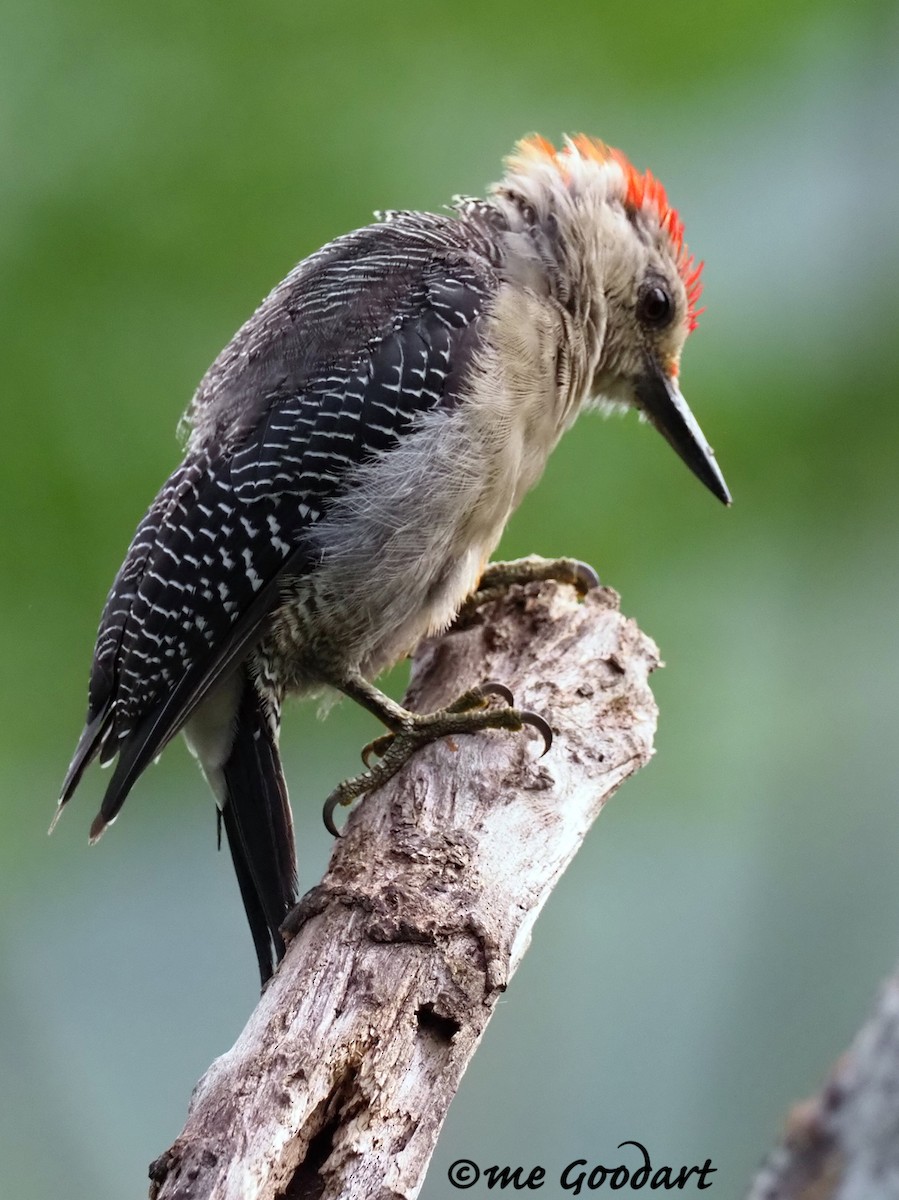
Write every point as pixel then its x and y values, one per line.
pixel 661 400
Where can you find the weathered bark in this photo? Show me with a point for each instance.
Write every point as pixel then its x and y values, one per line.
pixel 843 1144
pixel 342 1078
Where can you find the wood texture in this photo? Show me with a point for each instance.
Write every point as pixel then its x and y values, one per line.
pixel 341 1080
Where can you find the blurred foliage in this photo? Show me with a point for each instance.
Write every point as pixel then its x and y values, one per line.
pixel 721 935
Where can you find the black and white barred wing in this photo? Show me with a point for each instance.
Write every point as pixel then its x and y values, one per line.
pixel 206 565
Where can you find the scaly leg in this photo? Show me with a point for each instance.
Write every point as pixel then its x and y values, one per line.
pixel 470 713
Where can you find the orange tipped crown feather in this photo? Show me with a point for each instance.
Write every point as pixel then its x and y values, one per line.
pixel 641 192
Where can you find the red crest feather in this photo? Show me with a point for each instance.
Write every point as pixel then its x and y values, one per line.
pixel 642 191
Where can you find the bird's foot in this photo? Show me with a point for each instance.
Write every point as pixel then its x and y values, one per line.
pixel 473 711
pixel 499 576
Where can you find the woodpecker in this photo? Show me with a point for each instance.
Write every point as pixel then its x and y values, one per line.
pixel 353 456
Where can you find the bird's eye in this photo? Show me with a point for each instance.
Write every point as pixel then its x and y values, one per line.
pixel 655 307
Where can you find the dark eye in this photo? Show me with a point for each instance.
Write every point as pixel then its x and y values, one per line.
pixel 655 307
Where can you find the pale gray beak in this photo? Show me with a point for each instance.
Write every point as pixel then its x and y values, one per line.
pixel 660 398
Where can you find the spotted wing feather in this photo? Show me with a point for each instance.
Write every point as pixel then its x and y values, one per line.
pixel 206 565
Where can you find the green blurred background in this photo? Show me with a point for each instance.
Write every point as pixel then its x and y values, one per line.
pixel 725 927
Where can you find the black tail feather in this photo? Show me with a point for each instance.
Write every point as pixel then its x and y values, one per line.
pixel 257 819
pixel 259 927
pixel 86 750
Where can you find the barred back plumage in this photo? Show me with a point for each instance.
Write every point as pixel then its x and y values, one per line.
pixel 392 311
pixel 242 501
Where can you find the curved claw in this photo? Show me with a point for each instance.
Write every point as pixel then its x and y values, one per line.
pixel 328 815
pixel 378 746
pixel 492 688
pixel 541 725
pixel 586 577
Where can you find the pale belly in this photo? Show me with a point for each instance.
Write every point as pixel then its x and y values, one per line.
pixel 408 542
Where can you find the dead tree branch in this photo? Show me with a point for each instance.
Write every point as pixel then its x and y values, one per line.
pixel 843 1144
pixel 342 1078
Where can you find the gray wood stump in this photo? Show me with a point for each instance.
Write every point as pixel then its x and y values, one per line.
pixel 341 1080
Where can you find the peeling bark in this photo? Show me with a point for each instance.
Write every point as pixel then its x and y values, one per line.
pixel 341 1080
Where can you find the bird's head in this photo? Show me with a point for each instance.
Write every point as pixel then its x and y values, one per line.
pixel 608 245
